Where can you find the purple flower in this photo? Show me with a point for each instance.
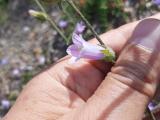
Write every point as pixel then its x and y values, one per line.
pixel 151 105
pixel 63 24
pixel 80 27
pixel 4 61
pixel 83 49
pixel 5 104
pixel 157 2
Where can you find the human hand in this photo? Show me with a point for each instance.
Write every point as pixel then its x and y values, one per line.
pixel 87 90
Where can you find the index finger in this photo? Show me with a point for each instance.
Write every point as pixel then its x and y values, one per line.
pixel 117 38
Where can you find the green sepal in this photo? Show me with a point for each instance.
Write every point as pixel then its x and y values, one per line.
pixel 109 55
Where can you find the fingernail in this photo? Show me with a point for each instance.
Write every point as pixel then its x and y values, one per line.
pixel 147 34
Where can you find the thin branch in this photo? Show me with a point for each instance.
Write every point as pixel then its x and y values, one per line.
pixel 71 3
pixel 51 21
pixel 151 114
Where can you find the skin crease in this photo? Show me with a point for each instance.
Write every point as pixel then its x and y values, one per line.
pixel 87 90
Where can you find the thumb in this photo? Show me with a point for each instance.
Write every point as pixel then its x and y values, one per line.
pixel 132 82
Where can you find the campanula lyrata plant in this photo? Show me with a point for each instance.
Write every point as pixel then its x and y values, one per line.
pixel 82 49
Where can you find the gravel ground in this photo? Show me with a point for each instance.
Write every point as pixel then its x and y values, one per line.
pixel 25 49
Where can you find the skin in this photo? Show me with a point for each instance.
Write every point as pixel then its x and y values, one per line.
pixel 91 90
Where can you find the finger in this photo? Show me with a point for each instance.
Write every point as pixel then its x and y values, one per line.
pixel 116 39
pixel 126 91
pixel 135 76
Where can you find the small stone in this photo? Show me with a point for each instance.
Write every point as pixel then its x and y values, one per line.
pixel 44 27
pixel 32 36
pixel 4 61
pixel 63 24
pixel 22 67
pixel 29 68
pixel 16 72
pixel 37 50
pixel 41 60
pixel 26 29
pixel 13 95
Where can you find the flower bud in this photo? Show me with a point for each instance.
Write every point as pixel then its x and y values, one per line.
pixel 39 15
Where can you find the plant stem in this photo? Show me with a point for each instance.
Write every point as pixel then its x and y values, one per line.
pixel 151 114
pixel 71 3
pixel 51 21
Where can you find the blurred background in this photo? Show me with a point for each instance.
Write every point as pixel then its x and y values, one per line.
pixel 28 45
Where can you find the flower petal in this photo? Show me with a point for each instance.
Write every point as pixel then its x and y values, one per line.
pixel 72 60
pixel 92 56
pixel 92 47
pixel 80 27
pixel 73 50
pixel 91 51
pixel 77 40
pixel 83 49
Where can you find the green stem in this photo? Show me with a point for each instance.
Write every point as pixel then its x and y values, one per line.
pixel 71 3
pixel 151 114
pixel 51 21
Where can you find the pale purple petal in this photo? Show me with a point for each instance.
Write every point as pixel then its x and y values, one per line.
pixel 87 50
pixel 92 51
pixel 91 47
pixel 77 40
pixel 92 56
pixel 151 105
pixel 73 50
pixel 80 27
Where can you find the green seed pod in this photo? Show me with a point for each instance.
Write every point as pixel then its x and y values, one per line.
pixel 39 15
